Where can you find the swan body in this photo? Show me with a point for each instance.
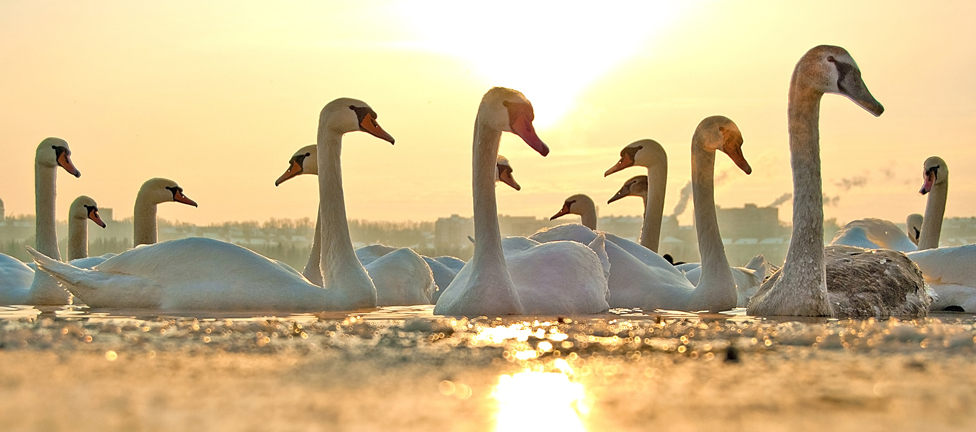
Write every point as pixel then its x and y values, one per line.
pixel 548 278
pixel 206 274
pixel 748 279
pixel 40 289
pixel 868 283
pixel 873 233
pixel 951 274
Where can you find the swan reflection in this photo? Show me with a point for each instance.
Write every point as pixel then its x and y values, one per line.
pixel 532 401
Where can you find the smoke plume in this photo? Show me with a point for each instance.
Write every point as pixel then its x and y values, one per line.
pixel 781 200
pixel 682 201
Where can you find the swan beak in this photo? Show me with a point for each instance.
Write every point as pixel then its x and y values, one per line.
pixel 369 125
pixel 292 171
pixel 524 129
pixel 506 177
pixel 853 87
pixel 561 213
pixel 736 154
pixel 179 197
pixel 927 184
pixel 625 162
pixel 65 162
pixel 620 194
pixel 93 215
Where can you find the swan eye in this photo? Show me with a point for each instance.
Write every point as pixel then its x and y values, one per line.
pixel 308 154
pixel 831 59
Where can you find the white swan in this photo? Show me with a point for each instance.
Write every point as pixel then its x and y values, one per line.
pixel 205 274
pixel 639 278
pixel 548 278
pixel 651 155
pixel 153 192
pixel 873 233
pixel 861 283
pixel 935 173
pixel 40 289
pixel 581 205
pixel 81 211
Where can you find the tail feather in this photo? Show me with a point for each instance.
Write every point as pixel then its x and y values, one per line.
pixel 599 245
pixel 101 289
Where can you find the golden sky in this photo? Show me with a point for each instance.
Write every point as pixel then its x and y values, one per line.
pixel 218 95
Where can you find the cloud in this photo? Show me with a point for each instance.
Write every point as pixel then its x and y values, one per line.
pixel 848 183
pixel 831 201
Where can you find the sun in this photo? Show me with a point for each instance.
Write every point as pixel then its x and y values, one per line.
pixel 550 51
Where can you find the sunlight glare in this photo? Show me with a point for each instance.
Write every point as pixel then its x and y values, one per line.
pixel 551 51
pixel 532 401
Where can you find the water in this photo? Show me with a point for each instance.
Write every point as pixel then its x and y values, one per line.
pixel 401 368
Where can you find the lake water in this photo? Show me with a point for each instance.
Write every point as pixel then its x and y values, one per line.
pixel 401 368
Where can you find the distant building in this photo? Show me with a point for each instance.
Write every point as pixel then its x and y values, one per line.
pixel 749 221
pixel 104 212
pixel 2 216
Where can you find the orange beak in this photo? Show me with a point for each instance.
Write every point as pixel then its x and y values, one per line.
pixel 370 125
pixel 65 162
pixel 293 170
pixel 506 177
pixel 624 162
pixel 179 197
pixel 561 213
pixel 93 215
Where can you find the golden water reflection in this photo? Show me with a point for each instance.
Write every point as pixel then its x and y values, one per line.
pixel 531 401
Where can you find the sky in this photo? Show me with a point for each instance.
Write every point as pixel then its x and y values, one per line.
pixel 217 95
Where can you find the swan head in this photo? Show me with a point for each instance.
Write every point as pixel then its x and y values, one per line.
pixel 719 133
pixel 832 70
pixel 646 153
pixel 508 110
pixel 54 152
pixel 635 186
pixel 934 172
pixel 160 190
pixel 83 208
pixel 575 204
pixel 304 161
pixel 350 115
pixel 913 224
pixel 503 173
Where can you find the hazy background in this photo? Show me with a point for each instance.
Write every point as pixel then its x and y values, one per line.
pixel 217 96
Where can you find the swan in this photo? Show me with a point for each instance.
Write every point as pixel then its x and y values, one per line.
pixel 913 225
pixel 82 210
pixel 443 269
pixel 874 233
pixel 862 283
pixel 651 155
pixel 153 192
pixel 640 281
pixel 20 284
pixel 206 274
pixel 581 205
pixel 541 278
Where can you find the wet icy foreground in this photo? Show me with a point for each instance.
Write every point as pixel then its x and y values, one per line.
pixel 402 369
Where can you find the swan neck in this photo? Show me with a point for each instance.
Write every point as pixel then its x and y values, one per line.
pixel 657 184
pixel 804 269
pixel 487 234
pixel 934 212
pixel 341 270
pixel 144 221
pixel 588 215
pixel 45 226
pixel 313 270
pixel 77 238
pixel 716 277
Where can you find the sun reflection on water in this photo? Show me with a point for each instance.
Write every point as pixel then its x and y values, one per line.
pixel 532 401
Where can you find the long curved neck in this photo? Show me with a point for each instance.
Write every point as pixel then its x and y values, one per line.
pixel 657 184
pixel 77 238
pixel 716 284
pixel 934 212
pixel 588 215
pixel 313 269
pixel 804 273
pixel 341 270
pixel 45 228
pixel 144 221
